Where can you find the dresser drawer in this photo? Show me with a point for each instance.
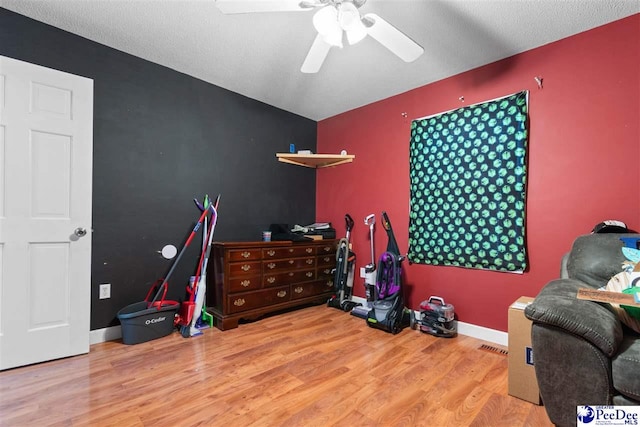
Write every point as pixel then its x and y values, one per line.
pixel 249 268
pixel 242 284
pixel 245 254
pixel 327 260
pixel 275 253
pixel 288 264
pixel 326 272
pixel 327 284
pixel 256 299
pixel 326 249
pixel 275 279
pixel 312 288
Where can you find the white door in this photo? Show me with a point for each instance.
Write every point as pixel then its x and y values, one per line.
pixel 46 146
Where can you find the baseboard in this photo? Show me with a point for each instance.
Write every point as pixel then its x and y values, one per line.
pixel 468 329
pixel 480 332
pixel 111 333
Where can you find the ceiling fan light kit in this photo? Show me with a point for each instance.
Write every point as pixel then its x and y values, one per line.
pixel 333 19
pixel 351 23
pixel 328 26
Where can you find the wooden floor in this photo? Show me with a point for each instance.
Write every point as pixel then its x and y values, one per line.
pixel 316 366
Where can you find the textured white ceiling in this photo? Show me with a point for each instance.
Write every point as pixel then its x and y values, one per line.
pixel 259 55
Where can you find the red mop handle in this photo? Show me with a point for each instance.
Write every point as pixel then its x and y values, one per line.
pixel 186 244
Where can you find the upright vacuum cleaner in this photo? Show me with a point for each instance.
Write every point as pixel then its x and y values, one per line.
pixel 388 311
pixel 344 272
pixel 368 272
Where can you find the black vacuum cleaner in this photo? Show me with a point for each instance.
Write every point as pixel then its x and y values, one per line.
pixel 344 272
pixel 388 311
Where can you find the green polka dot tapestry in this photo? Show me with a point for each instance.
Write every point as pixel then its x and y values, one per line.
pixel 468 174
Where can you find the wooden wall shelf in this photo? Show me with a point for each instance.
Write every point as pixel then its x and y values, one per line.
pixel 315 161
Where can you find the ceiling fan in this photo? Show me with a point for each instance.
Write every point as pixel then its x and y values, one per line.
pixel 333 20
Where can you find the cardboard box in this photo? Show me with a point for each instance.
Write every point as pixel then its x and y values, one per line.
pixel 522 375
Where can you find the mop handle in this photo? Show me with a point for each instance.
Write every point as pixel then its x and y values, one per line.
pixel 207 248
pixel 214 220
pixel 208 238
pixel 186 244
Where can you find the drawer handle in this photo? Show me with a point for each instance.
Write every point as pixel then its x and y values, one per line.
pixel 309 274
pixel 327 249
pixel 271 252
pixel 246 267
pixel 329 284
pixel 271 266
pixel 298 290
pixel 327 270
pixel 246 254
pixel 245 283
pixel 290 250
pixel 291 274
pixel 291 261
pixel 327 259
pixel 239 302
pixel 271 279
pixel 309 261
pixel 309 250
pixel 282 294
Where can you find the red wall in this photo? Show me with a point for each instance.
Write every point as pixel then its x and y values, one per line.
pixel 584 162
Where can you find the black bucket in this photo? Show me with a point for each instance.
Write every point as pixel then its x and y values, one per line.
pixel 147 320
pixel 141 323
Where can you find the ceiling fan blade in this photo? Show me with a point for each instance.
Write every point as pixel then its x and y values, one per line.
pixel 251 6
pixel 392 38
pixel 315 57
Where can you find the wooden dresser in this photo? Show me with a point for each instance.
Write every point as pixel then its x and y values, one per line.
pixel 246 280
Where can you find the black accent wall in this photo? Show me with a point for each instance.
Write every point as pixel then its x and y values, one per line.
pixel 162 138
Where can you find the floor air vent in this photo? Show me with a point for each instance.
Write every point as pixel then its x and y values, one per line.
pixel 493 349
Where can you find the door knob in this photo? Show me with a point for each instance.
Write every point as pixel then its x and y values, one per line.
pixel 80 232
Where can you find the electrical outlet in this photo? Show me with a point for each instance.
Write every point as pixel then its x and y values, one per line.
pixel 105 290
